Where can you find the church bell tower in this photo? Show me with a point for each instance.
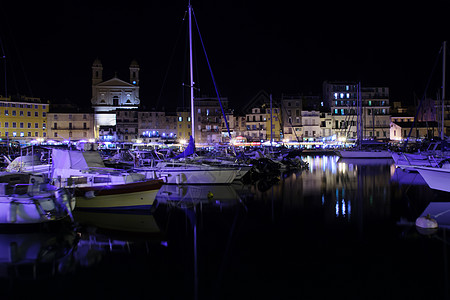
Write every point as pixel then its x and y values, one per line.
pixel 97 72
pixel 134 73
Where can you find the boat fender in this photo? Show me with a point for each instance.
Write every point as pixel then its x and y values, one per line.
pixel 426 222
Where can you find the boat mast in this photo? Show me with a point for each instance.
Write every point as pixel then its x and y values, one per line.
pixel 359 123
pixel 191 72
pixel 444 50
pixel 271 116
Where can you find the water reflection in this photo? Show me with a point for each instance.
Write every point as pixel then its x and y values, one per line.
pixel 340 229
pixel 35 255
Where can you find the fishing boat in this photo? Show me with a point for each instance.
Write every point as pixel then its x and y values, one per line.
pixel 27 199
pixel 98 187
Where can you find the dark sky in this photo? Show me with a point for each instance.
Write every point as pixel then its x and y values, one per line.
pixel 279 46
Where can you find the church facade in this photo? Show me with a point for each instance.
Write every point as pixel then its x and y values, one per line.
pixel 113 94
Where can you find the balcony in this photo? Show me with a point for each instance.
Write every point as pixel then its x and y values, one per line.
pixel 69 128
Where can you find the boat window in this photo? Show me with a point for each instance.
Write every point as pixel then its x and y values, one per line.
pixel 102 179
pixel 76 180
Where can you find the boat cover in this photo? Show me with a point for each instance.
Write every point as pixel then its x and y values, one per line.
pixel 78 160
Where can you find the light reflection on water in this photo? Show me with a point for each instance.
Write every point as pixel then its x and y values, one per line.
pixel 327 231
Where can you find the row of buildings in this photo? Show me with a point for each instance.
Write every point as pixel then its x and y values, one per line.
pixel 117 115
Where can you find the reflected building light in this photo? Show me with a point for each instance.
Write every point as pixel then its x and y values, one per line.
pixel 323 199
pixel 337 209
pixel 349 209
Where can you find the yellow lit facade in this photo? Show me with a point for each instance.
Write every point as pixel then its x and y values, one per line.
pixel 23 118
pixel 183 125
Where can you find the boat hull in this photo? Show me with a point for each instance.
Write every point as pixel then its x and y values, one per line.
pixel 118 201
pixel 436 178
pixel 38 209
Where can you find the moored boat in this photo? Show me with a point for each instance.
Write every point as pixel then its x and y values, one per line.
pixel 98 187
pixel 27 199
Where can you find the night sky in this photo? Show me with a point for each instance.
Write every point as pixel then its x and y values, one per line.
pixel 278 46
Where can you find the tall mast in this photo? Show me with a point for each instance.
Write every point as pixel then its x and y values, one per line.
pixel 444 50
pixel 359 122
pixel 271 116
pixel 191 73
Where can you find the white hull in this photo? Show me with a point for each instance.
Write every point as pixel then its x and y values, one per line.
pixel 43 208
pixel 181 173
pixel 407 160
pixel 436 178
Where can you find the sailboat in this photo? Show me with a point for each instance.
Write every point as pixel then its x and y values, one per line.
pixel 437 151
pixel 364 148
pixel 183 172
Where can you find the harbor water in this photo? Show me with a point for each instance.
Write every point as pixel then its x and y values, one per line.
pixel 340 229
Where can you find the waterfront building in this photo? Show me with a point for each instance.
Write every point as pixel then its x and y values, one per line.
pixel 23 118
pixel 208 119
pixel 376 113
pixel 406 129
pixel 342 97
pixel 127 125
pixel 237 126
pixel 276 133
pixel 72 126
pixel 157 126
pixel 326 127
pixel 311 125
pixel 291 108
pixel 183 124
pixel 256 122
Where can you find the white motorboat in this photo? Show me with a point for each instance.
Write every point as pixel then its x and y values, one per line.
pixel 98 187
pixel 27 199
pixel 437 178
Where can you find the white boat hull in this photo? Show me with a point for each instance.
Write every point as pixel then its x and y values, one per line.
pixel 191 176
pixel 436 178
pixel 25 209
pixel 123 201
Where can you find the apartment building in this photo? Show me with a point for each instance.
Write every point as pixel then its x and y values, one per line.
pixel 71 126
pixel 23 118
